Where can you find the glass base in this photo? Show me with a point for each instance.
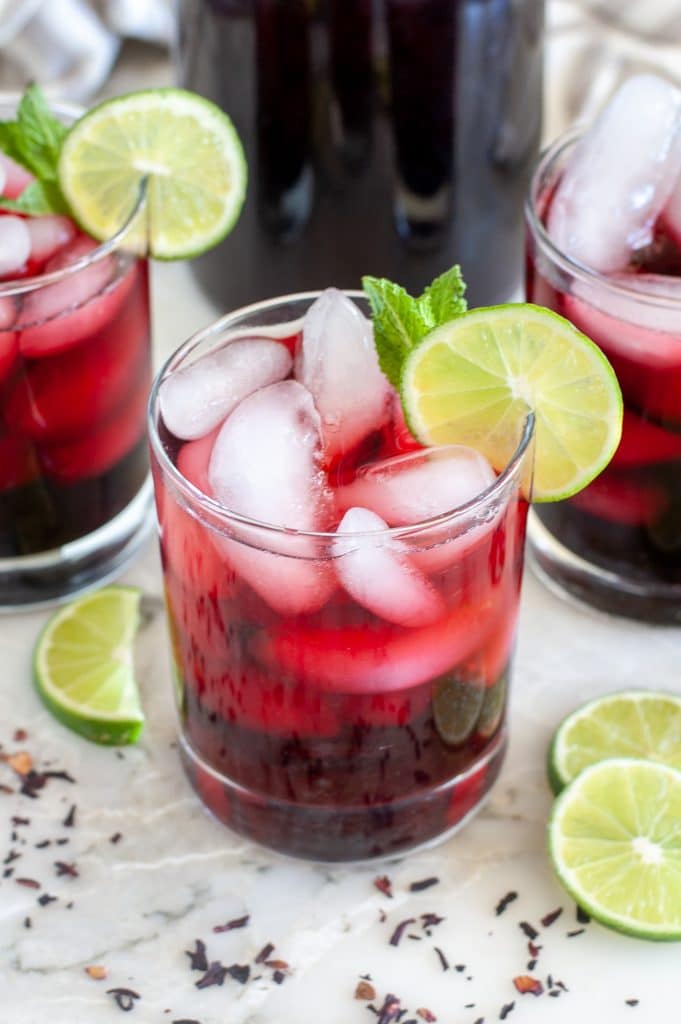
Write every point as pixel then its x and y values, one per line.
pixel 335 833
pixel 568 575
pixel 35 581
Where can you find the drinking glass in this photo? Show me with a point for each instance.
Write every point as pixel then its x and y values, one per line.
pixel 616 544
pixel 75 373
pixel 334 735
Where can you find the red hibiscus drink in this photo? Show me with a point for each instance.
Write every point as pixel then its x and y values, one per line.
pixel 74 380
pixel 604 222
pixel 342 602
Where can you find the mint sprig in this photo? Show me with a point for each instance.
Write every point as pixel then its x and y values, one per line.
pixel 401 321
pixel 34 140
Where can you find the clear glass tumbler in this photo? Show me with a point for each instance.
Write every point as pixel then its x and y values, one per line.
pixel 75 373
pixel 334 735
pixel 616 544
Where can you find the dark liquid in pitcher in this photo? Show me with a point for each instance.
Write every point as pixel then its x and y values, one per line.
pixel 385 137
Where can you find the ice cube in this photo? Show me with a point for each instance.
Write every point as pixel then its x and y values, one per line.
pixel 620 176
pixel 418 486
pixel 623 324
pixel 194 400
pixel 375 571
pixel 72 292
pixel 337 363
pixel 15 245
pixel 15 177
pixel 48 234
pixel 266 465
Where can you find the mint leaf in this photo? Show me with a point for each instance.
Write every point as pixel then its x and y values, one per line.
pixel 39 136
pixel 444 300
pixel 398 324
pixel 37 198
pixel 34 140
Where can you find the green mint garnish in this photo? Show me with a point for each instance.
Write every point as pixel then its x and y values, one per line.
pixel 400 321
pixel 34 140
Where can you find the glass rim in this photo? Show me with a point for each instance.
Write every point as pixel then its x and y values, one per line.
pixel 548 159
pixel 22 285
pixel 218 512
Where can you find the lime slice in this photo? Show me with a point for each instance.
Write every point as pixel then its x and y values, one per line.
pixel 615 843
pixel 184 145
pixel 83 665
pixel 473 381
pixel 636 723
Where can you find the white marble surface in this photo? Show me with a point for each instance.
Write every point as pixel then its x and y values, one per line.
pixel 139 903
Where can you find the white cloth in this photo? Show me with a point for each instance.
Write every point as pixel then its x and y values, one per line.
pixel 70 46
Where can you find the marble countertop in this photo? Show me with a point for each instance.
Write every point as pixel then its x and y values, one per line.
pixel 138 871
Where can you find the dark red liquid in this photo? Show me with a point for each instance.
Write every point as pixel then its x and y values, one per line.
pixel 73 391
pixel 628 521
pixel 337 735
pixel 385 137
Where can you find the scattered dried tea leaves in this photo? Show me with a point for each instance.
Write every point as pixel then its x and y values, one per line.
pixel 631 1002
pixel 70 819
pixel 365 991
pixel 575 932
pixel 384 885
pixel 28 883
pixel 527 985
pixel 425 1014
pixel 424 883
pixel 124 998
pixel 97 972
pixel 265 953
pixel 240 972
pixel 198 961
pixel 278 977
pixel 116 837
pixel 237 922
pixel 215 975
pixel 505 1010
pixel 399 931
pixel 444 962
pixel 548 919
pixel 69 870
pixel 390 1011
pixel 45 899
pixel 582 916
pixel 505 901
pixel 528 930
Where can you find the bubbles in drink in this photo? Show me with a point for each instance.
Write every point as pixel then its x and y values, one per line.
pixel 196 399
pixel 620 177
pixel 15 245
pixel 337 362
pixel 377 574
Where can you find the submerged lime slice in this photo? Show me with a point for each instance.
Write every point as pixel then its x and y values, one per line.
pixel 635 723
pixel 83 665
pixel 473 381
pixel 185 146
pixel 615 843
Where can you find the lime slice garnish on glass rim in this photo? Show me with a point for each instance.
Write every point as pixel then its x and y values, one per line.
pixel 473 380
pixel 83 665
pixel 615 844
pixel 634 723
pixel 186 148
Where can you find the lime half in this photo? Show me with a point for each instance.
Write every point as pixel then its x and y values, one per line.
pixel 473 380
pixel 615 843
pixel 635 723
pixel 83 666
pixel 185 146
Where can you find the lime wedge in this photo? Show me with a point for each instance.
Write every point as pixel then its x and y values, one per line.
pixel 473 380
pixel 635 723
pixel 83 666
pixel 185 146
pixel 615 844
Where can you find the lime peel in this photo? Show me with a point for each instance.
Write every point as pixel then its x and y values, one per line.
pixel 474 379
pixel 615 845
pixel 185 147
pixel 83 665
